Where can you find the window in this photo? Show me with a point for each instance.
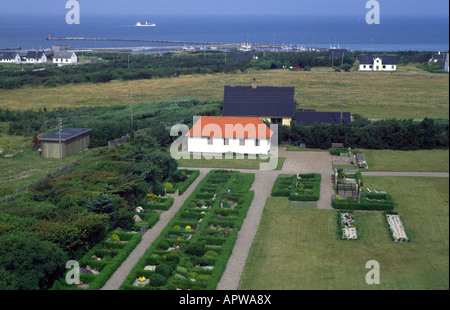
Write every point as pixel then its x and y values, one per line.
pixel 384 67
pixel 257 142
pixel 210 141
pixel 393 67
pixel 242 142
pixel 364 66
pixel 226 141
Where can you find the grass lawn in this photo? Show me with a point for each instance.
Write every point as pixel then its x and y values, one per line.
pixel 298 248
pixel 399 161
pixel 235 163
pixel 391 95
pixel 26 167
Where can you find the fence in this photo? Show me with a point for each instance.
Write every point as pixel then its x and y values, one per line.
pixel 32 184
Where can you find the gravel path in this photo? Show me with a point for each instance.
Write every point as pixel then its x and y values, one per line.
pixel 122 272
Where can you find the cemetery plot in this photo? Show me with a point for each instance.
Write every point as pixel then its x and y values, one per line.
pixel 192 251
pixel 396 227
pixel 98 265
pixel 347 225
pixel 300 187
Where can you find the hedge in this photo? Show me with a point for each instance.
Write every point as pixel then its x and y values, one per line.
pixel 369 201
pixel 107 267
pixel 183 186
pixel 165 204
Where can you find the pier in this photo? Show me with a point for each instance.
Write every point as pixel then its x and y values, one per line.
pixel 183 45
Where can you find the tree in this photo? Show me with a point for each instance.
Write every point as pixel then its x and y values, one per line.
pixel 29 262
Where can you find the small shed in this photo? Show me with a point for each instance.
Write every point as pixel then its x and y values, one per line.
pixel 73 140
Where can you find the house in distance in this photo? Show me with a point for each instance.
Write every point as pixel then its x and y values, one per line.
pixel 273 104
pixel 73 140
pixel 377 62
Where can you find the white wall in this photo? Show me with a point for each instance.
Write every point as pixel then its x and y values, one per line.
pixel 200 145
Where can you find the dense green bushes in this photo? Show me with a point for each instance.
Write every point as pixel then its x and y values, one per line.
pixel 76 209
pixel 362 133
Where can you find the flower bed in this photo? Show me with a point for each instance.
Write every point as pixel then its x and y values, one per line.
pixel 197 242
pixel 347 225
pixel 396 227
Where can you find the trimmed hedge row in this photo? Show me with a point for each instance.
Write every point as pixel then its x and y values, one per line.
pixel 112 254
pixel 369 201
pixel 164 205
pixel 183 186
pixel 197 242
pixel 308 187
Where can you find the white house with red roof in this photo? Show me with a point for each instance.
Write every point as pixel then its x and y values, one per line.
pixel 229 134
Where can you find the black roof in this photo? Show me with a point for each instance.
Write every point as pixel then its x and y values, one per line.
pixel 66 134
pixel 8 55
pixel 259 101
pixel 35 54
pixel 368 59
pixel 309 118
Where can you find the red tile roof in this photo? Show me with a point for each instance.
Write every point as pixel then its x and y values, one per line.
pixel 230 127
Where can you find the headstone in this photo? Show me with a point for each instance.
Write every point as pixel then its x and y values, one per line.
pixel 137 218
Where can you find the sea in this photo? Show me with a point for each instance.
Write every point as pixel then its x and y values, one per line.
pixel 394 33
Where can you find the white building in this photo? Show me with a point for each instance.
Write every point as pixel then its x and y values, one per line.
pixel 10 57
pixel 377 62
pixel 225 134
pixel 65 58
pixel 36 57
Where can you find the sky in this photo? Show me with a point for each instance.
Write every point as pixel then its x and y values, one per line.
pixel 210 7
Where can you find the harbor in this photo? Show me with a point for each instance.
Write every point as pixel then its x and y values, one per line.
pixel 162 46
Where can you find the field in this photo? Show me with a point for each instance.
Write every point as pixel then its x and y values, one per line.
pixel 25 167
pixel 298 248
pixel 374 95
pixel 417 161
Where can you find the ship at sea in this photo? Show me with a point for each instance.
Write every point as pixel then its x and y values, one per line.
pixel 146 24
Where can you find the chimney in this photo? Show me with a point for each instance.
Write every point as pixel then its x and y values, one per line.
pixel 254 85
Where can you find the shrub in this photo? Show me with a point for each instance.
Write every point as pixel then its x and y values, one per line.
pixel 157 279
pixel 196 249
pixel 164 270
pixel 182 270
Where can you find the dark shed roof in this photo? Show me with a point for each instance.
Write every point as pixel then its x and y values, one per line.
pixel 309 118
pixel 368 59
pixel 66 134
pixel 259 101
